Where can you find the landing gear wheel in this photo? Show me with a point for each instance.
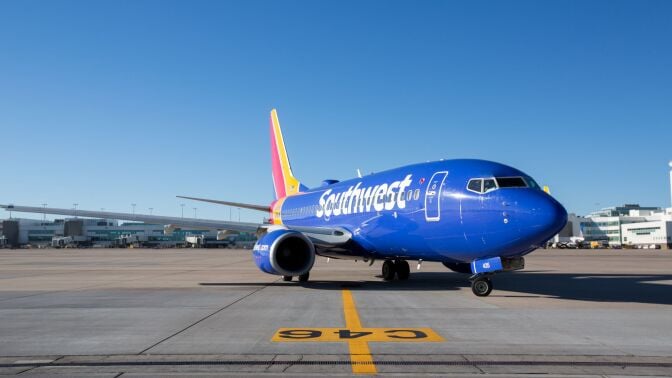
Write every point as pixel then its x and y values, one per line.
pixel 481 287
pixel 403 270
pixel 388 270
pixel 304 277
pixel 287 278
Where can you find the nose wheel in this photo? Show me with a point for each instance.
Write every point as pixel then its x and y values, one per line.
pixel 481 286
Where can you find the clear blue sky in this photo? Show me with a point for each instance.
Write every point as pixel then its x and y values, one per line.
pixel 108 103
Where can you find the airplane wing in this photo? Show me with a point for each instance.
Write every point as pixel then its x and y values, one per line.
pixel 153 219
pixel 229 203
pixel 324 236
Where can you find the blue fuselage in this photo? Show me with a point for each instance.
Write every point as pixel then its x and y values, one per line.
pixel 427 211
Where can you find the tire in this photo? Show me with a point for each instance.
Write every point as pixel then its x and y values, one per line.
pixel 389 270
pixel 304 277
pixel 403 270
pixel 287 278
pixel 481 287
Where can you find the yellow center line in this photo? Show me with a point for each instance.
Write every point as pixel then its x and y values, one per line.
pixel 360 355
pixel 357 336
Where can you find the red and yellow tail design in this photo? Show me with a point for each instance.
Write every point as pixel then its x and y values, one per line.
pixel 284 182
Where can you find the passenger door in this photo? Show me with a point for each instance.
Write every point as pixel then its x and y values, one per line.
pixel 433 196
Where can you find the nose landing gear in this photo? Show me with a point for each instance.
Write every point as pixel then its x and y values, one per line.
pixel 481 285
pixel 398 268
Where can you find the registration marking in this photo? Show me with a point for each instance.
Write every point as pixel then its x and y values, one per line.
pixel 357 336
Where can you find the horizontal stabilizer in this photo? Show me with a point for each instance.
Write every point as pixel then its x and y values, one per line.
pixel 235 204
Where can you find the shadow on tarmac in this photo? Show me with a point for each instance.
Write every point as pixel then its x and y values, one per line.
pixel 635 288
pixel 623 288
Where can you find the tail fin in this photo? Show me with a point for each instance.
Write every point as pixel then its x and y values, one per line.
pixel 284 182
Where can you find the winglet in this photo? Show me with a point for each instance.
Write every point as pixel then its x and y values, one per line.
pixel 284 182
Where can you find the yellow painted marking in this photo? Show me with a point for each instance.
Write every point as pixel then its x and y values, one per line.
pixel 357 336
pixel 360 355
pixel 334 335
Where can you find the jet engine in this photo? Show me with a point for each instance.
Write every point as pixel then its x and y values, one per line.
pixel 284 252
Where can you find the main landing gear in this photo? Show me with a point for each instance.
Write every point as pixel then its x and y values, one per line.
pixel 481 285
pixel 398 268
pixel 302 278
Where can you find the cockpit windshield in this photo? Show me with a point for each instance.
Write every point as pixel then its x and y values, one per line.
pixel 475 185
pixel 488 185
pixel 532 184
pixel 484 185
pixel 511 182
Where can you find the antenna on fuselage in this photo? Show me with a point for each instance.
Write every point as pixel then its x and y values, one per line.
pixel 359 173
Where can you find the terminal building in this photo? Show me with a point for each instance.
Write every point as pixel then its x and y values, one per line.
pixel 110 233
pixel 629 225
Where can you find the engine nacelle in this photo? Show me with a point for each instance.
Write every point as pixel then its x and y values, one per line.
pixel 284 252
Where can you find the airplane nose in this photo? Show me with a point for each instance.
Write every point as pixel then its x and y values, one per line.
pixel 550 217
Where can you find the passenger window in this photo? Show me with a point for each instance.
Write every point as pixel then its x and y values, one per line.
pixel 489 185
pixel 475 185
pixel 511 182
pixel 409 195
pixel 416 196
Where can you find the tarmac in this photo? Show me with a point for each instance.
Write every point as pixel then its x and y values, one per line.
pixel 158 312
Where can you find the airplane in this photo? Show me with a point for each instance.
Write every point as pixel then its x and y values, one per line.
pixel 476 217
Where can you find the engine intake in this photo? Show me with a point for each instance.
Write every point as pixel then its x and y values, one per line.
pixel 285 253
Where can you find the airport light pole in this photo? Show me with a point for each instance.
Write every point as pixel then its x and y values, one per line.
pixel 74 207
pixel 182 205
pixel 670 165
pixel 195 217
pixel 133 208
pixel 44 215
pixel 239 214
pixel 151 210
